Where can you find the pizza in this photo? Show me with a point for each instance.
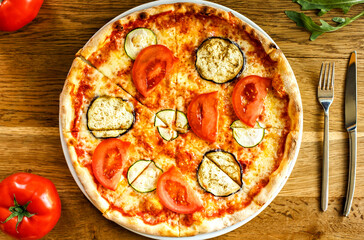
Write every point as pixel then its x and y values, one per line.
pixel 180 119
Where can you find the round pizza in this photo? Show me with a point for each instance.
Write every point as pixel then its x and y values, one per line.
pixel 181 119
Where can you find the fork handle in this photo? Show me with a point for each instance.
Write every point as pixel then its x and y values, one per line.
pixel 325 166
pixel 351 175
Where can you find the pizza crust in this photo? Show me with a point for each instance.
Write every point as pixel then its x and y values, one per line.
pixel 66 111
pixel 84 176
pixel 136 224
pixel 295 110
pixel 280 175
pixel 216 224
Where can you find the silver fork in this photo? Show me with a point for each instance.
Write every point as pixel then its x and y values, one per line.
pixel 325 95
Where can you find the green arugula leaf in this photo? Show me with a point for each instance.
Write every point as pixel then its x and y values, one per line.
pixel 316 30
pixel 339 20
pixel 326 5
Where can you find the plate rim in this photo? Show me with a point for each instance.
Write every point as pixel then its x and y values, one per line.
pixel 291 164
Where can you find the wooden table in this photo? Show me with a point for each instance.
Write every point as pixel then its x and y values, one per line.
pixel 33 66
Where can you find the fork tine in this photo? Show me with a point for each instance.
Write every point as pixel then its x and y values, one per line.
pixel 321 76
pixel 327 76
pixel 324 77
pixel 332 75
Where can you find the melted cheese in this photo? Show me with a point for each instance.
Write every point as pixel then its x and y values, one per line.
pixel 275 112
pixel 266 158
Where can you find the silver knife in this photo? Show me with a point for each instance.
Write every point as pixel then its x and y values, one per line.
pixel 350 125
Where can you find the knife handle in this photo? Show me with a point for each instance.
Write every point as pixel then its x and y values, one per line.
pixel 325 166
pixel 351 175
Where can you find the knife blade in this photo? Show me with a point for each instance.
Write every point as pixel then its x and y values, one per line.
pixel 350 125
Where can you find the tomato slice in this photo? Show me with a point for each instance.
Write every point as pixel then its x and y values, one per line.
pixel 202 116
pixel 151 66
pixel 175 194
pixel 107 161
pixel 248 96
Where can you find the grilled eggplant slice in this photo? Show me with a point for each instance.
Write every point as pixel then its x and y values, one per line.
pixel 143 176
pixel 110 117
pixel 219 60
pixel 215 181
pixel 227 163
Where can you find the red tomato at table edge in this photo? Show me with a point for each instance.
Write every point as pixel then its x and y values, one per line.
pixel 15 14
pixel 151 66
pixel 249 113
pixel 202 116
pixel 175 176
pixel 33 197
pixel 104 149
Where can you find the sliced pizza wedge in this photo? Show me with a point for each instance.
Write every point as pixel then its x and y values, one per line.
pixel 216 177
pixel 138 205
pixel 116 150
pixel 217 51
pixel 232 181
pixel 138 52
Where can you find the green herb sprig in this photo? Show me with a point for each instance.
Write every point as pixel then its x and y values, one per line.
pixel 302 20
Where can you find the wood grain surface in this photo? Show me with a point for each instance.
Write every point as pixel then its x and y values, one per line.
pixel 34 62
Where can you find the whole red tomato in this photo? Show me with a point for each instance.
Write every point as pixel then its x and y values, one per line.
pixel 29 206
pixel 15 14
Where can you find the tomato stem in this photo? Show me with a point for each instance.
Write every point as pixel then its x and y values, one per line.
pixel 18 210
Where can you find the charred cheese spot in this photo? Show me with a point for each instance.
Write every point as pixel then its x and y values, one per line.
pixel 219 60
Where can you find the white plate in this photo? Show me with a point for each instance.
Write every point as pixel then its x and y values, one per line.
pixel 205 235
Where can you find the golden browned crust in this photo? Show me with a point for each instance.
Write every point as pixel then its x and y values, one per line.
pixel 136 224
pixel 281 174
pixel 66 111
pixel 216 224
pixel 84 175
pixel 295 110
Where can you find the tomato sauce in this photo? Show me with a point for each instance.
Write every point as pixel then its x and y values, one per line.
pixel 121 210
pixel 186 161
pixel 149 216
pixel 78 99
pixel 79 151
